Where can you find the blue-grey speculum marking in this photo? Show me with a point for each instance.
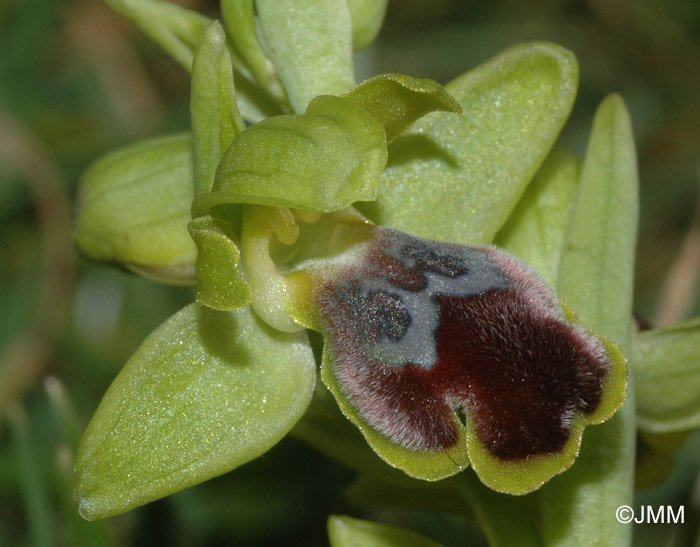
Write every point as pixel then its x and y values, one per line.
pixel 398 325
pixel 380 315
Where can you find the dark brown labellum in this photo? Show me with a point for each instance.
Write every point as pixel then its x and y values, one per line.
pixel 420 331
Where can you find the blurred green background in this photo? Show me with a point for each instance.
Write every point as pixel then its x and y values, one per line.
pixel 76 81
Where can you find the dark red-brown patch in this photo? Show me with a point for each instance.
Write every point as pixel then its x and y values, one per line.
pixel 525 374
pixel 519 373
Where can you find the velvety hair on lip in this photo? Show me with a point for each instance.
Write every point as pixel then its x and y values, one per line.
pixel 423 333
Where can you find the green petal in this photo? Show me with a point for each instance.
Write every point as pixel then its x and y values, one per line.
pixel 457 178
pixel 239 16
pixel 221 284
pixel 133 207
pixel 310 42
pixel 214 112
pixel 596 279
pixel 206 392
pixel 667 378
pixel 397 100
pixel 367 17
pixel 535 229
pixel 323 160
pixel 349 532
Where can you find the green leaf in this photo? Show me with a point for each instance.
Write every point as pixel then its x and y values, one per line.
pixel 323 160
pixel 255 105
pixel 326 429
pixel 35 495
pixel 349 532
pixel 310 42
pixel 457 178
pixel 133 207
pixel 596 273
pixel 655 458
pixel 175 28
pixel 367 17
pixel 414 495
pixel 667 378
pixel 214 112
pixel 493 509
pixel 239 17
pixel 221 283
pixel 178 31
pixel 64 413
pixel 596 280
pixel 206 392
pixel 535 229
pixel 397 100
pixel 67 423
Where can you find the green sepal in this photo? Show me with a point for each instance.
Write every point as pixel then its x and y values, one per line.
pixel 206 392
pixel 176 29
pixel 535 230
pixel 310 43
pixel 323 160
pixel 349 532
pixel 216 120
pixel 133 208
pixel 596 279
pixel 457 178
pixel 397 100
pixel 367 17
pixel 221 283
pixel 667 378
